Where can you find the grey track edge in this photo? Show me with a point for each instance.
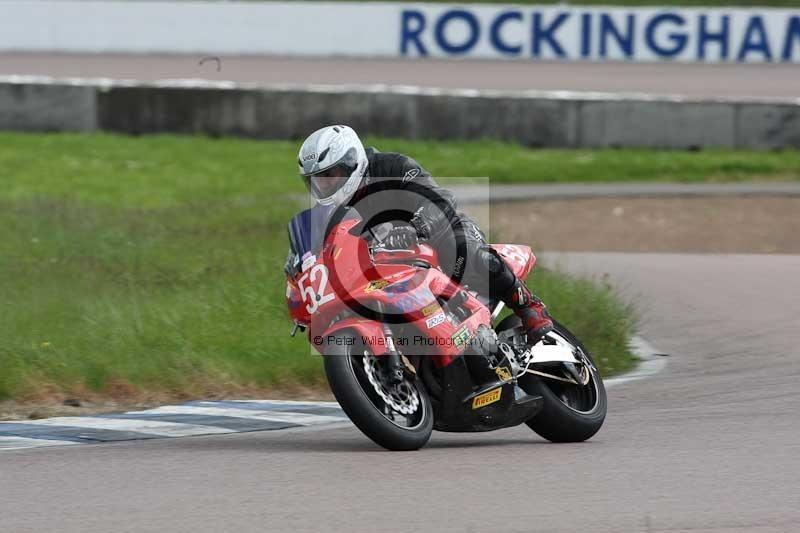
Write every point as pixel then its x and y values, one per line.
pixel 651 362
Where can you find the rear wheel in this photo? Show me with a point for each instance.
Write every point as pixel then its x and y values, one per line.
pixel 571 413
pixel 397 417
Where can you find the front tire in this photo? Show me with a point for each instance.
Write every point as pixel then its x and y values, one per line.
pixel 571 413
pixel 349 366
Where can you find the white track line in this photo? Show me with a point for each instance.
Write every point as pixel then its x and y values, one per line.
pixel 151 427
pixel 285 402
pixel 19 443
pixel 304 419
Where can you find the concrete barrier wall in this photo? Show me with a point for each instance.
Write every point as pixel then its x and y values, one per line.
pixel 48 106
pixel 570 120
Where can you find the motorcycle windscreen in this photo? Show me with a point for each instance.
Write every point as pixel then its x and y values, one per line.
pixel 307 229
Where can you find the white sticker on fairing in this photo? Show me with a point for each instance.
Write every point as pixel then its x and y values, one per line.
pixel 308 262
pixel 435 320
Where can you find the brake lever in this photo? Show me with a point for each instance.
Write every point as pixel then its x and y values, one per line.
pixel 297 326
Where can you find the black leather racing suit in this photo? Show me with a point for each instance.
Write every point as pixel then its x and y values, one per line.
pixel 432 210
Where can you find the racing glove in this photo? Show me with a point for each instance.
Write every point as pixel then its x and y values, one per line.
pixel 422 225
pixel 401 238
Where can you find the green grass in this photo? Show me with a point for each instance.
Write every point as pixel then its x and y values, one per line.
pixel 152 265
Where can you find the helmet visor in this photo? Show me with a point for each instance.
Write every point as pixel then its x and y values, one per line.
pixel 326 182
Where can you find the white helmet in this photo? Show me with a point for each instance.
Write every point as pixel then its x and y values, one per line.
pixel 332 162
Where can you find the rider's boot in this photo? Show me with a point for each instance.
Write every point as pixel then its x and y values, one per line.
pixel 531 311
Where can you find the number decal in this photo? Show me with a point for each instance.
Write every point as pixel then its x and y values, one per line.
pixel 315 298
pixel 322 270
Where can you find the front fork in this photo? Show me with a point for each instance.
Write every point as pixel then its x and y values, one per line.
pixel 394 368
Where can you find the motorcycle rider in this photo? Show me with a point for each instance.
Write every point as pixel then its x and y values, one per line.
pixel 337 169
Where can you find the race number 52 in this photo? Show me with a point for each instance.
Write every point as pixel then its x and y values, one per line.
pixel 314 297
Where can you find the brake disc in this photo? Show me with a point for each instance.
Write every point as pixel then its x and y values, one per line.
pixel 402 398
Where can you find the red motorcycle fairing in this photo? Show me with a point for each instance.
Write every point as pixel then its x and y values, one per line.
pixel 403 283
pixel 415 296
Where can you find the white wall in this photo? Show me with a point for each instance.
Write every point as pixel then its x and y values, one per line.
pixel 401 29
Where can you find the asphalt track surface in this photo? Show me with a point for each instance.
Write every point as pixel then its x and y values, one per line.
pixel 702 81
pixel 711 443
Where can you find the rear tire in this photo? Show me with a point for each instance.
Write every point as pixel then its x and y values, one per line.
pixel 362 403
pixel 558 421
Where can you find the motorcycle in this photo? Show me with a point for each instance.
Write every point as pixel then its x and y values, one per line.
pixel 407 350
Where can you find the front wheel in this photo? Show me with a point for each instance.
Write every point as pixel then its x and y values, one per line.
pixel 397 417
pixel 571 413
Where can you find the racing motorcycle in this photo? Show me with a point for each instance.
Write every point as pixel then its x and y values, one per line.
pixel 408 350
